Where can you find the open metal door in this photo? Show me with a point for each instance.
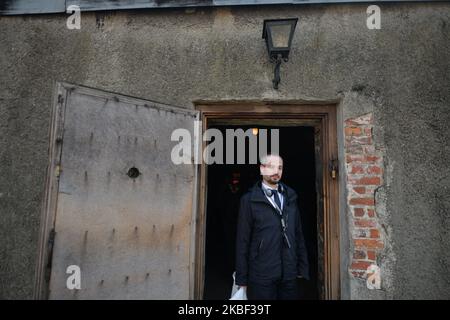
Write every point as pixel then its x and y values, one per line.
pixel 124 212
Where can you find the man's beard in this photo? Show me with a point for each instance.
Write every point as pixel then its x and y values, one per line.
pixel 273 179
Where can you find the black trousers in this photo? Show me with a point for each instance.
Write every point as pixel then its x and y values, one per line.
pixel 273 290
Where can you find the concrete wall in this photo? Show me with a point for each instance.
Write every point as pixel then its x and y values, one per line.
pixel 401 73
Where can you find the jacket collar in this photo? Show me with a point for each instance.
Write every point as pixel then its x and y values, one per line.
pixel 257 194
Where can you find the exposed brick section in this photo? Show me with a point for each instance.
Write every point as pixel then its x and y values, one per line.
pixel 368 244
pixel 371 255
pixel 366 180
pixel 358 212
pixel 364 223
pixel 374 233
pixel 360 265
pixel 364 168
pixel 353 131
pixel 362 201
pixel 360 190
pixel 374 170
pixel 357 169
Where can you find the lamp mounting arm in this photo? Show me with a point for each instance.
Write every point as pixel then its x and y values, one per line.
pixel 276 80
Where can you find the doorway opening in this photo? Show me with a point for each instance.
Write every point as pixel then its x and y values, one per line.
pixel 226 183
pixel 308 144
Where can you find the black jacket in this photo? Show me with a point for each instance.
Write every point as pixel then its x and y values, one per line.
pixel 261 253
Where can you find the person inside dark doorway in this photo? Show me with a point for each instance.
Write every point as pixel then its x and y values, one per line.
pixel 270 248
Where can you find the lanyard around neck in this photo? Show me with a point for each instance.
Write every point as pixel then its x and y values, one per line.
pixel 274 204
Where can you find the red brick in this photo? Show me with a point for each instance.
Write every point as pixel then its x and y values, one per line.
pixel 374 170
pixel 371 158
pixel 353 131
pixel 374 181
pixel 360 265
pixel 371 255
pixel 374 233
pixel 371 213
pixel 368 131
pixel 358 212
pixel 368 243
pixel 357 169
pixel 360 190
pixel 364 223
pixel 361 159
pixel 362 201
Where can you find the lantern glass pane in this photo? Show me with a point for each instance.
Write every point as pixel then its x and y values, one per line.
pixel 280 35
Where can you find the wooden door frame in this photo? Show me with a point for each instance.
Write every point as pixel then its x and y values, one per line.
pixel 326 116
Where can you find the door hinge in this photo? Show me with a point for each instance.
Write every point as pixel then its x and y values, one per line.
pixel 334 168
pixel 50 244
pixel 51 237
pixel 57 171
pixel 59 124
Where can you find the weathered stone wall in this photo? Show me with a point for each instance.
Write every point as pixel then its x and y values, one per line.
pixel 399 74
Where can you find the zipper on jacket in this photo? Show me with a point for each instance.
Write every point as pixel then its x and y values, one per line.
pixel 260 246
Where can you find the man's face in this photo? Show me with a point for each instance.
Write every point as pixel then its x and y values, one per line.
pixel 272 170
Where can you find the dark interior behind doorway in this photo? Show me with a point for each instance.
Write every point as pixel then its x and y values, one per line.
pixel 227 183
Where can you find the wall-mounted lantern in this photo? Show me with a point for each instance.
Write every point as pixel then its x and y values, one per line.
pixel 278 34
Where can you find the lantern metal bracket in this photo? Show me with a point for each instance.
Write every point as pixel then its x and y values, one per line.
pixel 276 78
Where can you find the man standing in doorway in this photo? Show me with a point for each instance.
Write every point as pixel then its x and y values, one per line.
pixel 270 249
